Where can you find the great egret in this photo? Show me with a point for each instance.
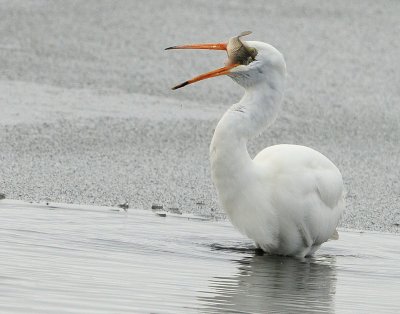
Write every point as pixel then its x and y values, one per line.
pixel 289 198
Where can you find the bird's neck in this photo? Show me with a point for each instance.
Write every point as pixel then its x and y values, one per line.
pixel 256 110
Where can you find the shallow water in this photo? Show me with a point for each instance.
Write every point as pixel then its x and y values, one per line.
pixel 80 259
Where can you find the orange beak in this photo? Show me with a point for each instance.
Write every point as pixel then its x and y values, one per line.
pixel 219 46
pixel 221 71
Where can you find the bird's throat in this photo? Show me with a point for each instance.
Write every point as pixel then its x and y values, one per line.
pixel 229 157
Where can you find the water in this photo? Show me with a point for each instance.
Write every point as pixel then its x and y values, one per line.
pixel 80 259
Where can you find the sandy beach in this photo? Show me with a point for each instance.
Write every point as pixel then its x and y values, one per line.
pixel 88 116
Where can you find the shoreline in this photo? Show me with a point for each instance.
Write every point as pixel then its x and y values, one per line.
pixel 88 116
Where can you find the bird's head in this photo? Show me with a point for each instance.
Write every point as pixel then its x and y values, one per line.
pixel 248 63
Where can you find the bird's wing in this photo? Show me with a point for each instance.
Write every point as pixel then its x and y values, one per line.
pixel 307 188
pixel 329 187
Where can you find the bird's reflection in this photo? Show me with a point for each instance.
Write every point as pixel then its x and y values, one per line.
pixel 275 284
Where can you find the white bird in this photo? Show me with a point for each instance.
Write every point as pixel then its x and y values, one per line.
pixel 289 198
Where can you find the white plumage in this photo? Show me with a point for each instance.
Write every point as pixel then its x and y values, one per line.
pixel 289 198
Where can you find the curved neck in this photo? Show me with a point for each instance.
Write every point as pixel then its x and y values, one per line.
pixel 256 110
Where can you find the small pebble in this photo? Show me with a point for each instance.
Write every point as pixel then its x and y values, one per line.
pixel 175 210
pixel 124 206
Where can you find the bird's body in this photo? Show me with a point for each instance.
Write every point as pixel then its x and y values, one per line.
pixel 289 198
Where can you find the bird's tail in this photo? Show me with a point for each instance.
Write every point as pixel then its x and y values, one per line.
pixel 335 235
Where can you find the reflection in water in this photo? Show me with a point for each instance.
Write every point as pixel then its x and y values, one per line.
pixel 276 284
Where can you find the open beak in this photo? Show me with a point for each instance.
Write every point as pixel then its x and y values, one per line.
pixel 221 71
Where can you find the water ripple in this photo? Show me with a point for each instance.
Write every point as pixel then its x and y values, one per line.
pixel 91 259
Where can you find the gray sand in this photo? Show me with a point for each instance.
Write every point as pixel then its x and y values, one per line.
pixel 88 117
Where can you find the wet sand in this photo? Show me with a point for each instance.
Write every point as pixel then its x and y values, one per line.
pixel 88 117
